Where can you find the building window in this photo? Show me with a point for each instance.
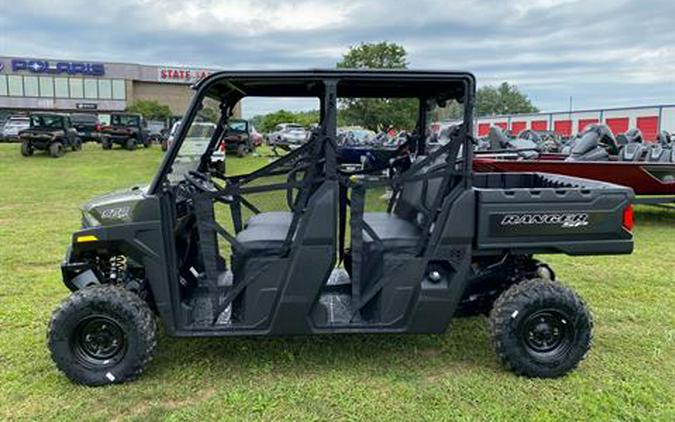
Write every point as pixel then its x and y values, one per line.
pixel 3 85
pixel 91 89
pixel 15 85
pixel 61 88
pixel 30 86
pixel 76 88
pixel 118 89
pixel 104 89
pixel 46 86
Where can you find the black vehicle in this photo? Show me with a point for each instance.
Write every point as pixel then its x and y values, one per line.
pixel 237 138
pixel 450 243
pixel 127 130
pixel 49 132
pixel 87 125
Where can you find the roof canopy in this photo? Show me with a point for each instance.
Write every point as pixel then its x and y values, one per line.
pixel 350 84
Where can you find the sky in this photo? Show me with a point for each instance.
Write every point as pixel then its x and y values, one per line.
pixel 601 53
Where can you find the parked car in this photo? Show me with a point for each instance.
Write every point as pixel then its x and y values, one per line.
pixel 49 132
pixel 288 134
pixel 155 129
pixel 14 125
pixel 257 138
pixel 87 125
pixel 127 130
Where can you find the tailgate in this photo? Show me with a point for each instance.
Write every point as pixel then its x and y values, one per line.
pixel 546 213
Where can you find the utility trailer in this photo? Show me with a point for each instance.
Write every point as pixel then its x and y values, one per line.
pixel 214 255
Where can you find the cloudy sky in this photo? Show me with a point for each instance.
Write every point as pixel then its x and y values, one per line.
pixel 602 53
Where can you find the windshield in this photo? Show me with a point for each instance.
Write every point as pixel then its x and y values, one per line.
pixel 237 126
pixel 195 144
pixel 124 120
pixel 45 121
pixel 17 122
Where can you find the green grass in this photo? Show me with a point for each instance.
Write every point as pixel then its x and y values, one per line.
pixel 629 375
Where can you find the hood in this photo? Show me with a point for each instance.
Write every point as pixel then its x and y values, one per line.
pixel 118 207
pixel 40 131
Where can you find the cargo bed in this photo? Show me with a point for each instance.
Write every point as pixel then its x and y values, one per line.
pixel 548 213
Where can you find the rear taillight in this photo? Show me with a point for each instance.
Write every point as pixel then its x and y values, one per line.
pixel 222 146
pixel 628 218
pixel 98 127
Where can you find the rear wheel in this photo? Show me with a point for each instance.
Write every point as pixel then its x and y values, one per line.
pixel 102 335
pixel 106 144
pixel 540 328
pixel 77 144
pixel 26 149
pixel 131 144
pixel 147 143
pixel 241 150
pixel 56 149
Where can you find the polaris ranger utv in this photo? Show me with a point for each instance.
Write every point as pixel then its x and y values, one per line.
pixel 216 255
pixel 126 130
pixel 49 132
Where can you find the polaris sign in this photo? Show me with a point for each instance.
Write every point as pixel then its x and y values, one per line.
pixel 70 68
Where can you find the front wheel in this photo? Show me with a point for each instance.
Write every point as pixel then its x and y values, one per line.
pixel 106 144
pixel 26 149
pixel 131 144
pixel 102 335
pixel 540 328
pixel 77 144
pixel 56 149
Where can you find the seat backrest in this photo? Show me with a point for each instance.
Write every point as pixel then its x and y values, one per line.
pixel 417 197
pixel 655 152
pixel 631 152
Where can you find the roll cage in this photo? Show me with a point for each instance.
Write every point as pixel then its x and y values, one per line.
pixel 228 88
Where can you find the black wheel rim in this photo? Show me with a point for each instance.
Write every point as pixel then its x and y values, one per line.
pixel 99 340
pixel 547 333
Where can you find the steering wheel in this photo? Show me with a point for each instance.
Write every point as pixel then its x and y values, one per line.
pixel 201 181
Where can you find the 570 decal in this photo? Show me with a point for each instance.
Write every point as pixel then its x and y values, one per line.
pixel 565 220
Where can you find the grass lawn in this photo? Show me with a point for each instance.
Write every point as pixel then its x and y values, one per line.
pixel 629 375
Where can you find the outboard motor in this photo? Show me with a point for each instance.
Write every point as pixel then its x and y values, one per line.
pixel 634 136
pixel 595 144
pixel 664 139
pixel 497 138
pixel 660 151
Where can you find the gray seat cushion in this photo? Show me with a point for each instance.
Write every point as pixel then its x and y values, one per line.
pixel 277 218
pixel 263 237
pixel 394 232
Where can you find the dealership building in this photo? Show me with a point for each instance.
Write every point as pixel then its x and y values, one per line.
pixel 30 84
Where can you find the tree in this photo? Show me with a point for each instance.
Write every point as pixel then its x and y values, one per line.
pixel 504 99
pixel 210 114
pixel 377 113
pixel 266 123
pixel 150 109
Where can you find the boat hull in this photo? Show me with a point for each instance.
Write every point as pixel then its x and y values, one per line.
pixel 644 177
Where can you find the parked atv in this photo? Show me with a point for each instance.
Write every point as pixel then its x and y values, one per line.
pixel 238 139
pixel 49 132
pixel 268 253
pixel 126 130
